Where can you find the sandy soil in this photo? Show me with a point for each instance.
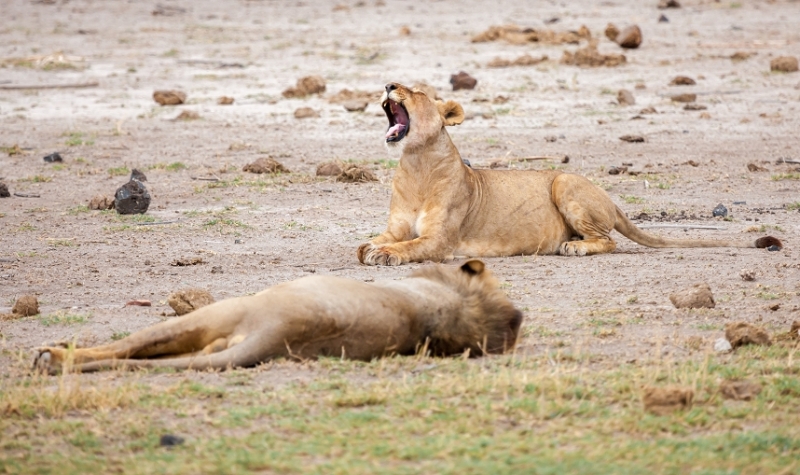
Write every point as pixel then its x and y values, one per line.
pixel 259 230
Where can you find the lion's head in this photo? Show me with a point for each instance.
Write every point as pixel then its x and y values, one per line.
pixel 414 117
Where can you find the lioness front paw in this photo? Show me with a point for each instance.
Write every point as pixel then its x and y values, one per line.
pixel 373 255
pixel 572 248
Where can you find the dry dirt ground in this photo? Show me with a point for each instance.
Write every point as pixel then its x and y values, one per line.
pixel 258 230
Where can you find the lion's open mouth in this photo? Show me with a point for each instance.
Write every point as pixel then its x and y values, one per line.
pixel 398 120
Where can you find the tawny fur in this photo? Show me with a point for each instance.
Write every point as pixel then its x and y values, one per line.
pixel 441 208
pixel 446 310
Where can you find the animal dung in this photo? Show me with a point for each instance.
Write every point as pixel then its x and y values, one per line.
pixel 26 306
pixel 785 64
pixel 632 138
pixel 589 57
pixel 188 300
pixel 329 169
pixel 352 173
pixel 4 193
pixel 684 97
pixel 306 86
pixel 697 296
pixel 169 98
pixel 305 113
pixel 265 165
pixel 101 202
pixel 663 401
pixel 739 390
pixel 463 80
pixel 54 157
pixel 743 333
pixel 132 197
pixel 682 81
pixel 225 100
pixel 625 98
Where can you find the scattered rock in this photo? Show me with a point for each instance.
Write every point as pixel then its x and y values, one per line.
pixel 748 275
pixel 462 80
pixel 589 57
pixel 225 100
pixel 187 300
pixel 53 158
pixel 682 81
pixel 721 345
pixel 429 90
pixel 663 18
pixel 352 173
pixel 720 211
pixel 132 198
pixel 632 138
pixel 329 169
pixel 755 168
pixel 305 113
pixel 691 162
pixel 697 296
pixel 168 10
pixel 169 98
pixel 26 306
pixel 136 174
pixel 405 31
pixel 625 98
pixel 741 56
pixel 743 333
pixel 649 110
pixel 187 261
pixel 550 138
pixel 662 401
pixel 217 270
pixel 617 170
pixel 168 440
pixel 306 86
pixel 694 107
pixel 786 64
pixel 630 37
pixel 355 106
pixel 4 193
pixel 138 303
pixel 187 115
pixel 684 97
pixel 773 248
pixel 101 202
pixel 265 165
pixel 668 4
pixel 775 307
pixel 739 390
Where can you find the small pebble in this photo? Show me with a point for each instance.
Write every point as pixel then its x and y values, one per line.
pixel 720 211
pixel 466 162
pixel 721 345
pixel 53 157
pixel 168 440
pixel 773 248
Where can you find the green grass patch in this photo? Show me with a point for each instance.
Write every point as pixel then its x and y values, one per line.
pixel 548 414
pixel 630 199
pixel 786 176
pixel 75 139
pixel 119 171
pixel 63 318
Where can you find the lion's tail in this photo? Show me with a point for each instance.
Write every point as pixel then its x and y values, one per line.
pixel 625 227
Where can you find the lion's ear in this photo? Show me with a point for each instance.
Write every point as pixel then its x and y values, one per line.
pixel 473 267
pixel 452 113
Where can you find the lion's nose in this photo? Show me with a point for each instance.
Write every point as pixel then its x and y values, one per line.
pixel 391 87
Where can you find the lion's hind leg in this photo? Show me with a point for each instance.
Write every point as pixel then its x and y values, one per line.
pixel 588 211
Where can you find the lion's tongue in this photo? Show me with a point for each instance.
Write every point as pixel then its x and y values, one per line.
pixel 395 130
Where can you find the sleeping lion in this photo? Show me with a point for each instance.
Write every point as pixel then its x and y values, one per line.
pixel 441 207
pixel 443 310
